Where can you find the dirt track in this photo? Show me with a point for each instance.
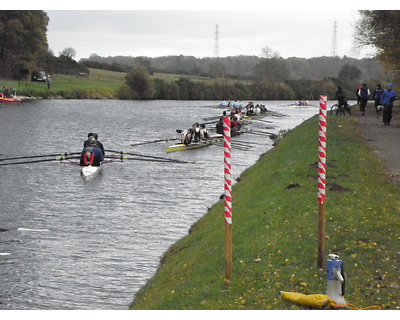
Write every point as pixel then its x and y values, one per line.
pixel 385 140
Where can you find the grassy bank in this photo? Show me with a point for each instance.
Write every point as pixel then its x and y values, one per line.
pixel 275 231
pixel 100 84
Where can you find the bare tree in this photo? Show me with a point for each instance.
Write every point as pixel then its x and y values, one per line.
pixel 268 53
pixel 68 52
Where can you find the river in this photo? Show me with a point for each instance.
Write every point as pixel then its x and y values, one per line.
pixel 67 244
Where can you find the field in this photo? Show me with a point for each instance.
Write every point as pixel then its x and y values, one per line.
pixel 99 84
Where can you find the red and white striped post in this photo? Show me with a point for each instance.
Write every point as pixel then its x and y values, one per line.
pixel 323 102
pixel 228 195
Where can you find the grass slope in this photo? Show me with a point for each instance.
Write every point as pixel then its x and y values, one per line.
pixel 275 221
pixel 100 84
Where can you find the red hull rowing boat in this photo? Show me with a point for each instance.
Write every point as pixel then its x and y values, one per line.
pixel 8 100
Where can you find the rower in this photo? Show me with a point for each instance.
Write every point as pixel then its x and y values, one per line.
pixel 99 144
pixel 203 132
pixel 186 136
pixel 196 129
pixel 235 125
pixel 88 158
pixel 93 154
pixel 220 126
pixel 87 142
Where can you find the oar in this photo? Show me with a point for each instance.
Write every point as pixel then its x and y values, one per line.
pixel 259 120
pixel 233 146
pixel 153 141
pixel 111 161
pixel 260 134
pixel 261 131
pixel 40 156
pixel 212 118
pixel 152 160
pixel 209 122
pixel 145 156
pixel 245 142
pixel 70 162
pixel 36 161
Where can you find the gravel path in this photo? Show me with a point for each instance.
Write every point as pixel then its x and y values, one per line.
pixel 385 140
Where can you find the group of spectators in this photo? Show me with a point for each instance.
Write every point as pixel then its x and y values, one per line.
pixel 383 99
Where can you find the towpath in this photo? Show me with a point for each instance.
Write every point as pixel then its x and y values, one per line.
pixel 384 140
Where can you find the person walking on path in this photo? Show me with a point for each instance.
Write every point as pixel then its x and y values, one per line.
pixel 357 95
pixel 388 96
pixel 364 94
pixel 377 95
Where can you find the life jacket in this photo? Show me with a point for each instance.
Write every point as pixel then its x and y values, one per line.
pixel 87 162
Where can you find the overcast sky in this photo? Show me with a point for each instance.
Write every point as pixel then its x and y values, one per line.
pixel 293 29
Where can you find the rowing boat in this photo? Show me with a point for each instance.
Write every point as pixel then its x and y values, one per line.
pixel 90 172
pixel 9 100
pixel 195 145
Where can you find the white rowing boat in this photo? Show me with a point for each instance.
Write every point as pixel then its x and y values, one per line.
pixel 90 172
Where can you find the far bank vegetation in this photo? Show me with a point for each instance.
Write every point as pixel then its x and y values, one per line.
pixel 239 77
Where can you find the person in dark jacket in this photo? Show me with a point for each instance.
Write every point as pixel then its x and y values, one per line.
pixel 87 142
pixel 364 96
pixel 342 99
pixel 220 126
pixel 377 94
pixel 388 96
pixel 99 144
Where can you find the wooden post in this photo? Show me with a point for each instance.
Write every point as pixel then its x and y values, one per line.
pixel 321 236
pixel 229 252
pixel 321 181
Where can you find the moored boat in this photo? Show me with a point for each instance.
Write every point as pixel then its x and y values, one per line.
pixel 9 100
pixel 90 172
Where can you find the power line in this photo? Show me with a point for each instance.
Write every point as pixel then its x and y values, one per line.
pixel 216 44
pixel 333 47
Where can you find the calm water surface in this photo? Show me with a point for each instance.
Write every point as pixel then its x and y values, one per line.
pixel 93 245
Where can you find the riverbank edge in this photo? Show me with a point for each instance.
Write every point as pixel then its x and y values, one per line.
pixel 191 272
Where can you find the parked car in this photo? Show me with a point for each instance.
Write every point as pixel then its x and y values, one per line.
pixel 38 76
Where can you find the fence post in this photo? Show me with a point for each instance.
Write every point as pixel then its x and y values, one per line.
pixel 321 180
pixel 228 197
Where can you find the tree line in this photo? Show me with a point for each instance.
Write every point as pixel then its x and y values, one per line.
pixel 241 67
pixel 140 84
